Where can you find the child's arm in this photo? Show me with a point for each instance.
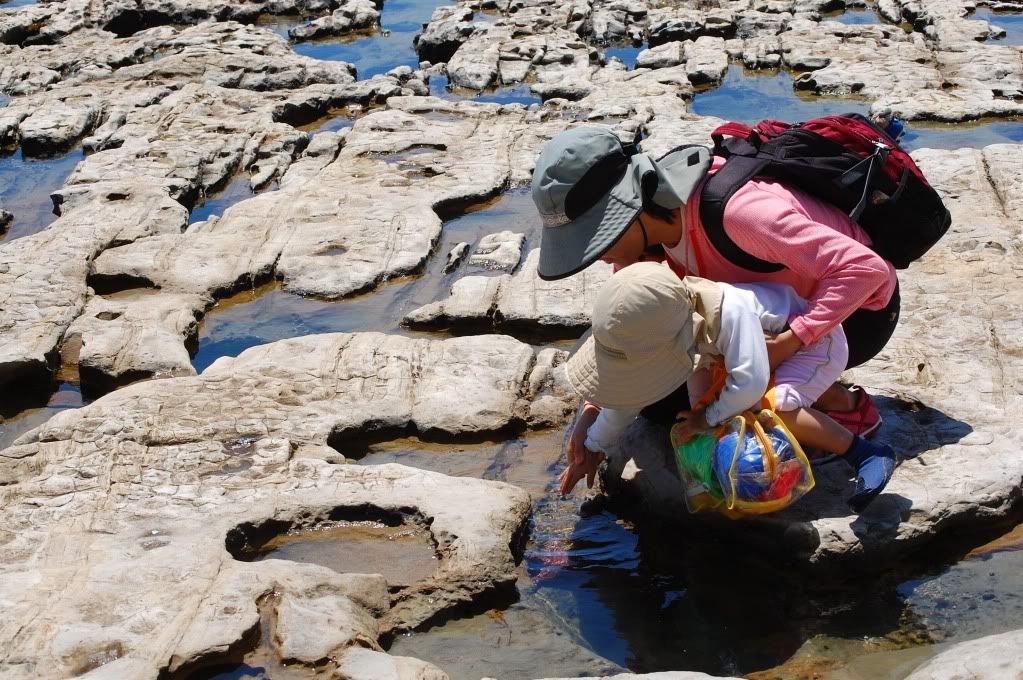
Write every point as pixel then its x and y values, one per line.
pixel 600 437
pixel 742 345
pixel 605 431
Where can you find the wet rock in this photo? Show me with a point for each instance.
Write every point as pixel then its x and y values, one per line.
pixel 448 28
pixel 945 479
pixel 500 251
pixel 43 276
pixel 5 220
pixel 554 57
pixel 672 24
pixel 366 664
pixel 56 128
pixel 455 257
pixel 163 513
pixel 351 16
pixel 663 675
pixel 135 335
pixel 994 656
pixel 662 56
pixel 706 60
pixel 522 300
pixel 297 233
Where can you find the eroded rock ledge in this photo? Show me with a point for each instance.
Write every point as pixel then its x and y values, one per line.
pixel 128 511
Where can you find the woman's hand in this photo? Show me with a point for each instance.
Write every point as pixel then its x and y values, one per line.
pixel 781 348
pixel 691 423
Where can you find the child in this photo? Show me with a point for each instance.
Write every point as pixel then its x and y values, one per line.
pixel 653 331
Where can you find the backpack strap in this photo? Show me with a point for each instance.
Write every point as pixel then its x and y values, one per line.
pixel 717 191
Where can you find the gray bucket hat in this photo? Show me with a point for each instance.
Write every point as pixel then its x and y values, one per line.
pixel 589 187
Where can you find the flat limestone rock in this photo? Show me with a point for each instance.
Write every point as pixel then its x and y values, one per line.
pixel 152 499
pixel 664 675
pixel 366 664
pixel 166 557
pixel 958 467
pixel 662 56
pixel 500 251
pixel 447 29
pixel 523 300
pixel 136 334
pixel 43 276
pixel 993 656
pixel 706 60
pixel 351 16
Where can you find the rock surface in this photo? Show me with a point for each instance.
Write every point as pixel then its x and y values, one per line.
pixel 208 468
pixel 521 300
pixel 351 16
pixel 994 656
pixel 500 251
pixel 945 480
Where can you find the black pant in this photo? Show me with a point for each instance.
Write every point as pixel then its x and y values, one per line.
pixel 867 332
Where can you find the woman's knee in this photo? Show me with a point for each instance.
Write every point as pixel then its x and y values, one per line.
pixel 868 331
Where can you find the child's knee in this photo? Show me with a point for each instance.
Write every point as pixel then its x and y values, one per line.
pixel 787 398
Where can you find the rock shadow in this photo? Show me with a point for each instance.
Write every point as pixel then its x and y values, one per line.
pixel 644 484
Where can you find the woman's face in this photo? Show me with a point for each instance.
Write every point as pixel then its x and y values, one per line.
pixel 628 249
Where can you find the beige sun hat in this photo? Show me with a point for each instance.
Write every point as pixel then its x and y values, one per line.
pixel 648 329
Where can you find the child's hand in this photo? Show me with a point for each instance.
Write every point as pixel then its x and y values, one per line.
pixel 586 467
pixel 576 449
pixel 691 423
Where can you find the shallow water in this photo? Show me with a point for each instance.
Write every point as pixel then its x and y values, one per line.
pixel 237 190
pixel 1012 22
pixel 749 96
pixel 400 21
pixel 334 121
pixel 625 53
pixel 17 3
pixel 25 188
pixel 507 94
pixel 403 555
pixel 31 411
pixel 860 16
pixel 269 313
pixel 591 598
pixel 974 135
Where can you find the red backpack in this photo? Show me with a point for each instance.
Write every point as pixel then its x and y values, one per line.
pixel 844 159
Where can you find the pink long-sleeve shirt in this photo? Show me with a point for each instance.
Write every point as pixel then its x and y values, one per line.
pixel 826 255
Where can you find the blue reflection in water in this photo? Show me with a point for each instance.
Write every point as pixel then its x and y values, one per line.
pixel 1012 22
pixel 32 411
pixel 379 53
pixel 508 94
pixel 26 185
pixel 270 313
pixel 856 17
pixel 240 672
pixel 960 135
pixel 750 96
pixel 625 53
pixel 237 190
pixel 18 3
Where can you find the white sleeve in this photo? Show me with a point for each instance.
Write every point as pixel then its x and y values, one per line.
pixel 605 430
pixel 741 343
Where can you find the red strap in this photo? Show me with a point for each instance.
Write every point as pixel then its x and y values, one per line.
pixel 731 130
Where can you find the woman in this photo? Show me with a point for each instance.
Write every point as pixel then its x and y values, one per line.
pixel 601 199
